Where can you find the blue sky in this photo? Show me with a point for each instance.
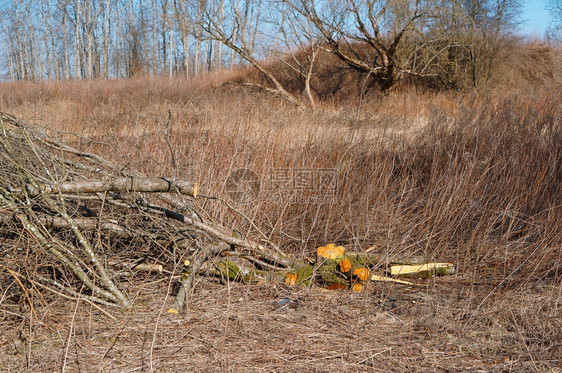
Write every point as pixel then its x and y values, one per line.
pixel 536 18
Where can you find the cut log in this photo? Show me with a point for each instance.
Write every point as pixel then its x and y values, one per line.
pixel 361 273
pixel 291 278
pixel 357 287
pixel 390 279
pixel 337 287
pixel 237 269
pixel 328 273
pixel 330 251
pixel 345 266
pixel 304 275
pixel 122 184
pixel 364 259
pixel 422 271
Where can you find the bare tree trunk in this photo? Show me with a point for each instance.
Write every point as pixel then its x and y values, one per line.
pixel 144 37
pixel 216 31
pixel 46 19
pixel 171 68
pixel 247 55
pixel 243 29
pixel 385 69
pixel 118 57
pixel 255 18
pixel 218 45
pixel 209 54
pixel 164 29
pixel 65 40
pixel 77 41
pixel 55 58
pixel 185 44
pixel 20 44
pixel 128 184
pixel 184 26
pixel 89 30
pixel 30 45
pixel 39 73
pixel 307 88
pixel 198 37
pixel 105 46
pixel 154 55
pixel 232 52
pixel 13 63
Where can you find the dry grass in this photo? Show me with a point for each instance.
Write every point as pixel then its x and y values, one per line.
pixel 473 179
pixel 238 328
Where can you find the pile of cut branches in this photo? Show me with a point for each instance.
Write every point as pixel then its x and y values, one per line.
pixel 72 223
pixel 64 213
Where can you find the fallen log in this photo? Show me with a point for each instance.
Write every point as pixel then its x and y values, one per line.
pixel 380 278
pixel 122 184
pixel 422 270
pixel 188 278
pixel 238 269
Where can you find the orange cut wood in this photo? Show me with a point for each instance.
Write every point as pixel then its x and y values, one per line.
pixel 357 287
pixel 361 273
pixel 330 251
pixel 345 265
pixel 291 278
pixel 336 287
pixel 339 250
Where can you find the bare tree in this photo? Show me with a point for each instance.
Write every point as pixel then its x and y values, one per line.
pixel 106 11
pixel 349 25
pixel 554 7
pixel 241 39
pixel 189 16
pixel 300 44
pixel 473 34
pixel 65 38
pixel 391 39
pixel 385 40
pixel 185 30
pixel 218 45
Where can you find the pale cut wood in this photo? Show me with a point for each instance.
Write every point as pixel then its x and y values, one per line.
pixel 422 271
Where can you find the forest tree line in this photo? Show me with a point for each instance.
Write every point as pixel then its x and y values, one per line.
pixel 386 40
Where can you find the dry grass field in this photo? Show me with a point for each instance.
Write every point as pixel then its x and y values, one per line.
pixel 470 178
